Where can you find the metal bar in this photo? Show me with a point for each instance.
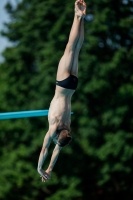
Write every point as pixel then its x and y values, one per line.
pixel 23 114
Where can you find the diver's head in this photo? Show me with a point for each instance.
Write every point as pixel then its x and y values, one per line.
pixel 63 137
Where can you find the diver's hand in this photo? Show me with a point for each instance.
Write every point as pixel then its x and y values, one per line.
pixel 45 175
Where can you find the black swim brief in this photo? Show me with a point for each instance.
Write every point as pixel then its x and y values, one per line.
pixel 69 83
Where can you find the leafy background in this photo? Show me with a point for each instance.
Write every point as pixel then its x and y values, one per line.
pixel 98 163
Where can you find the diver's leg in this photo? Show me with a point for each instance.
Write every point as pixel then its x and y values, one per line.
pixel 66 62
pixel 74 68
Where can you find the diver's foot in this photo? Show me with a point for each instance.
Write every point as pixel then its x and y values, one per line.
pixel 80 8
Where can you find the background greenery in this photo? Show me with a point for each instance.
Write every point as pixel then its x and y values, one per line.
pixel 98 164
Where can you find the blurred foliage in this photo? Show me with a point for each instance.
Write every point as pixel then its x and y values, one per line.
pixel 98 163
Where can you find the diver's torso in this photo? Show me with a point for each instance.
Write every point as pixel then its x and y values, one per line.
pixel 60 108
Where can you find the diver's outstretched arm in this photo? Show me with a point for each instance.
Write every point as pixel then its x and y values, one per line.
pixel 53 160
pixel 44 153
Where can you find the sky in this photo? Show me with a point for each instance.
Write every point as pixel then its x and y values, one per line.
pixel 4 17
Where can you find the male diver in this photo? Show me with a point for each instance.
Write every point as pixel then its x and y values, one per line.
pixel 59 116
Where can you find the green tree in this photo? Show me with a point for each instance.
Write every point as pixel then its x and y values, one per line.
pixel 98 163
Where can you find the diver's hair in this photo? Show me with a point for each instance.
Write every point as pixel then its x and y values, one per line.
pixel 64 138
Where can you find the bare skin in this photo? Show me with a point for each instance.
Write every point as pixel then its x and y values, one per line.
pixel 59 116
